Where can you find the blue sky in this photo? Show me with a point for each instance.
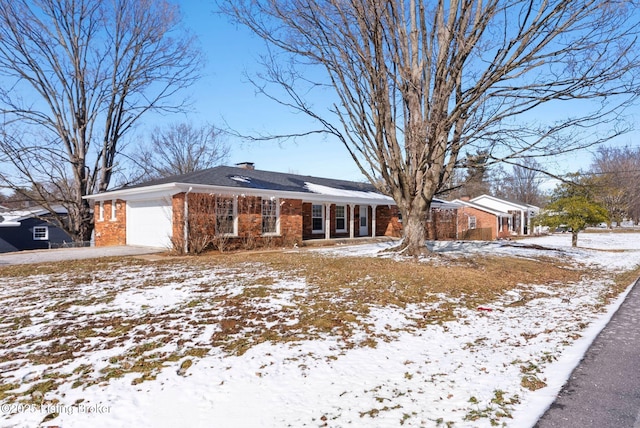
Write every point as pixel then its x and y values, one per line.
pixel 224 96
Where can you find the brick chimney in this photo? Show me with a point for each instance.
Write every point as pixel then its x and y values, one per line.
pixel 246 165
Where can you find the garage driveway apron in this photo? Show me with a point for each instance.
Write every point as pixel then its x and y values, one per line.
pixel 60 254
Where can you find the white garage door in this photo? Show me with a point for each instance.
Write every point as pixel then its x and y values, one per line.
pixel 149 222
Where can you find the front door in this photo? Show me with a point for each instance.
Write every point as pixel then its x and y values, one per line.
pixel 364 220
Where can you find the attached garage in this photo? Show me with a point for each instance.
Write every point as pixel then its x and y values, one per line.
pixel 149 222
pixel 237 207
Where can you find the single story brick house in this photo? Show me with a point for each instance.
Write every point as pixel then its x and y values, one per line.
pixel 30 229
pixel 521 215
pixel 241 207
pixel 479 222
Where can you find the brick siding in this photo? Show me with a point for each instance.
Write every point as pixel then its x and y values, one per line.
pixel 486 225
pixel 249 221
pixel 388 222
pixel 110 231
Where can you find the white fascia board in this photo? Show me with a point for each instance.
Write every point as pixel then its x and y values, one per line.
pixel 445 205
pixel 486 209
pixel 344 200
pixel 10 224
pixel 170 189
pixel 304 196
pixel 138 193
pixel 499 201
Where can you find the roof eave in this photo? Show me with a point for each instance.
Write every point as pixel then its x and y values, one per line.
pixel 169 189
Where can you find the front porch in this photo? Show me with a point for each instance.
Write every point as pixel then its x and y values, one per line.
pixel 329 221
pixel 348 241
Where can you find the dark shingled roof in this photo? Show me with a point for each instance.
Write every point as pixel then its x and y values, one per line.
pixel 229 176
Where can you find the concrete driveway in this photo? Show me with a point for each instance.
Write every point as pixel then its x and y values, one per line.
pixel 60 254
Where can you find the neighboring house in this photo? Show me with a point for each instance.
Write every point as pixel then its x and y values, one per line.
pixel 442 223
pixel 244 206
pixel 478 222
pixel 521 215
pixel 28 229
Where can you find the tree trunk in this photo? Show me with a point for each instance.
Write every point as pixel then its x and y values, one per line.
pixel 574 238
pixel 414 229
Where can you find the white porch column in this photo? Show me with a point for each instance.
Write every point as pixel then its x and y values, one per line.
pixel 352 212
pixel 327 221
pixel 521 222
pixel 373 220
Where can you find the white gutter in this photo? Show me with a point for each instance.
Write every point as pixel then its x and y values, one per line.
pixel 149 192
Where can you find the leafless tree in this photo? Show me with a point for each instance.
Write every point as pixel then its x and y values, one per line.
pixel 181 148
pixel 523 183
pixel 614 176
pixel 417 84
pixel 77 75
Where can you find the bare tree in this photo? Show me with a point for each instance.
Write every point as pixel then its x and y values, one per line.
pixel 523 183
pixel 419 83
pixel 77 76
pixel 614 176
pixel 182 148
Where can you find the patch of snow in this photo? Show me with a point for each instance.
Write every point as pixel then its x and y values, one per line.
pixel 332 191
pixel 152 299
pixel 426 376
pixel 241 179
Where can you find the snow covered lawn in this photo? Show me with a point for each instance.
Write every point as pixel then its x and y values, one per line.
pixel 305 337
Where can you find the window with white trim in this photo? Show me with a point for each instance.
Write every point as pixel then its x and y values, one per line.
pixel 101 211
pixel 317 218
pixel 472 222
pixel 113 210
pixel 40 233
pixel 270 216
pixel 225 216
pixel 341 218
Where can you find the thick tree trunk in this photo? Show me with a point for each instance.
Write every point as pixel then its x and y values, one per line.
pixel 80 222
pixel 415 234
pixel 574 238
pixel 414 229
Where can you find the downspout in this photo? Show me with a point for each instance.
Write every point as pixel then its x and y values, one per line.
pixel 373 220
pixel 185 232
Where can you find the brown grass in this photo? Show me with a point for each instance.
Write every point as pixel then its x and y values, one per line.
pixel 340 293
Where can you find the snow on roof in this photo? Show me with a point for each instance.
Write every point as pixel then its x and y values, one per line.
pixel 13 218
pixel 241 179
pixel 331 191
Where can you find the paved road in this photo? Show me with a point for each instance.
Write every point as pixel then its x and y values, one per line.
pixel 604 390
pixel 44 256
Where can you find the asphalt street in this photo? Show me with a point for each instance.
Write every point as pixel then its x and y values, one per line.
pixel 604 389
